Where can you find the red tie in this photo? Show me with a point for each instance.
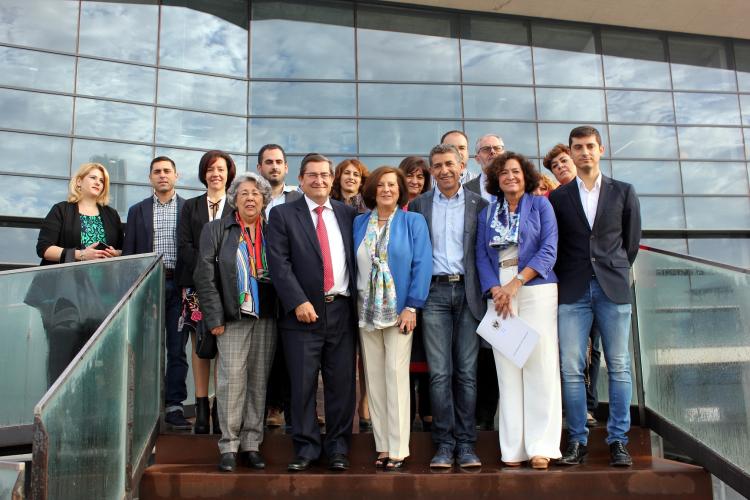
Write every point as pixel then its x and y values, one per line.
pixel 325 251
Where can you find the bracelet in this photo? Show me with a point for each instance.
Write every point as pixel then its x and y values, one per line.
pixel 411 309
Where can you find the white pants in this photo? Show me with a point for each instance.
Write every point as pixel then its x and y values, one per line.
pixel 530 417
pixel 386 354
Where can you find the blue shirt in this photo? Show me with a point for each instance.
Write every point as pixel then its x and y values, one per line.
pixel 448 233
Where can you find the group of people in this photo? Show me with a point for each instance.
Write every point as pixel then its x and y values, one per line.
pixel 400 263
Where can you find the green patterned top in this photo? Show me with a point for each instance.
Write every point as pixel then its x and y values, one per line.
pixel 92 230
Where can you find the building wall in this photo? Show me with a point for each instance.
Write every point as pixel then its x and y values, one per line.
pixel 121 82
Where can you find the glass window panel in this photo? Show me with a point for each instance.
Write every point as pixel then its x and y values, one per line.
pixel 114 120
pixel 36 70
pixel 732 251
pixel 37 154
pixel 401 136
pixel 116 80
pixel 570 104
pixel 664 212
pixel 634 59
pixel 302 99
pixel 30 196
pixel 46 24
pixel 438 101
pixel 714 178
pixel 122 197
pixel 565 55
pixel 711 143
pixel 640 107
pixel 205 36
pixel 186 161
pixel 125 31
pixel 124 162
pixel 495 50
pixel 700 64
pixel 281 36
pixel 746 134
pixel 208 93
pixel 18 245
pixel 643 141
pixel 745 105
pixel 200 130
pixel 294 162
pixel 304 136
pixel 373 162
pixel 515 103
pixel 649 177
pixel 707 109
pixel 554 133
pixel 398 44
pixel 518 137
pixel 32 111
pixel 702 213
pixel 742 60
pixel 678 245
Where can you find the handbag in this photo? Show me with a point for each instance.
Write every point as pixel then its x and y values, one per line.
pixel 205 342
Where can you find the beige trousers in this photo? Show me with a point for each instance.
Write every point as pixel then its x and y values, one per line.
pixel 386 354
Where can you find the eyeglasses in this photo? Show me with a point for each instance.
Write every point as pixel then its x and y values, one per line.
pixel 318 175
pixel 487 149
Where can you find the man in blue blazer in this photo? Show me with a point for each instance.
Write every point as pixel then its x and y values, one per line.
pixel 453 308
pixel 152 227
pixel 599 224
pixel 311 261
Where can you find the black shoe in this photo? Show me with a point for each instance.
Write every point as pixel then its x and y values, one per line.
pixel 574 454
pixel 177 421
pixel 299 464
pixel 215 418
pixel 201 416
pixel 228 462
pixel 338 462
pixel 253 459
pixel 618 455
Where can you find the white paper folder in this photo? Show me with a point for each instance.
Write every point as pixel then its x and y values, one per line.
pixel 512 336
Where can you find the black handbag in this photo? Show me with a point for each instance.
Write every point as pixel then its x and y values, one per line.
pixel 205 342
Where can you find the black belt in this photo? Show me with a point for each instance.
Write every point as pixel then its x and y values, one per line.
pixel 448 278
pixel 330 298
pixel 169 274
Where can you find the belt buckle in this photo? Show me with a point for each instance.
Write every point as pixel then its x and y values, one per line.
pixel 454 278
pixel 329 298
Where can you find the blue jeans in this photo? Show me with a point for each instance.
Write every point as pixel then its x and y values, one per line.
pixel 574 325
pixel 451 345
pixel 177 366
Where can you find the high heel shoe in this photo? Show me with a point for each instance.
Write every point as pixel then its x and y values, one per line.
pixel 395 464
pixel 201 416
pixel 381 462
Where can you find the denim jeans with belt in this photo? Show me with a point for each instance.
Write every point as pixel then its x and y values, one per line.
pixel 451 345
pixel 574 326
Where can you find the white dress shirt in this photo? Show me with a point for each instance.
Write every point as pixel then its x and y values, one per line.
pixel 220 209
pixel 279 200
pixel 335 244
pixel 590 198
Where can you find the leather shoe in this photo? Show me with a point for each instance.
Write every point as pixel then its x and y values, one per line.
pixel 299 464
pixel 228 462
pixel 253 459
pixel 177 421
pixel 574 454
pixel 338 462
pixel 466 457
pixel 443 459
pixel 619 456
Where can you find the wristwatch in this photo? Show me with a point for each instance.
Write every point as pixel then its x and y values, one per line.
pixel 411 309
pixel 520 278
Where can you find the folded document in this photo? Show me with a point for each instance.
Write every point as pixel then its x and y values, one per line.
pixel 512 336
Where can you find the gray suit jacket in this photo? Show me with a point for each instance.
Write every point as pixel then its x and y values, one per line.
pixel 473 185
pixel 473 205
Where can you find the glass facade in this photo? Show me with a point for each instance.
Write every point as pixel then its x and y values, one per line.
pixel 120 82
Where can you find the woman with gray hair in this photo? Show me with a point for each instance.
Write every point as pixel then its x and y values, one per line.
pixel 239 307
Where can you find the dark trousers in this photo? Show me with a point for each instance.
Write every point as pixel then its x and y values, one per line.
pixel 592 370
pixel 419 385
pixel 329 349
pixel 278 394
pixel 177 366
pixel 487 391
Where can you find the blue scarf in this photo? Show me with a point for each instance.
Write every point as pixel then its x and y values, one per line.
pixel 504 226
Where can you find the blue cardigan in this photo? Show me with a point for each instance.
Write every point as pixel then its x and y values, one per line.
pixel 537 242
pixel 409 256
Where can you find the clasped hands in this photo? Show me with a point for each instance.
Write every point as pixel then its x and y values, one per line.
pixel 502 297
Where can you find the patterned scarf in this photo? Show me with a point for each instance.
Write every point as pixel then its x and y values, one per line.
pixel 251 267
pixel 504 226
pixel 379 300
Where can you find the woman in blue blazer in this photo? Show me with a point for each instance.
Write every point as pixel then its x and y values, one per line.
pixel 515 253
pixel 394 269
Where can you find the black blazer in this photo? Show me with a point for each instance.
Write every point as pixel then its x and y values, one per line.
pixel 607 250
pixel 295 261
pixel 139 232
pixel 62 228
pixel 193 217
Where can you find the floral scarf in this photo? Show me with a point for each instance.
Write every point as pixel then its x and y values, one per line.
pixel 251 267
pixel 379 299
pixel 504 226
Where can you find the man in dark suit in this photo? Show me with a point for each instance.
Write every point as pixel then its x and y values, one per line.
pixel 599 225
pixel 311 260
pixel 152 227
pixel 453 309
pixel 273 167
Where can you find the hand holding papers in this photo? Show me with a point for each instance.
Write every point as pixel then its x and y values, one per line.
pixel 512 336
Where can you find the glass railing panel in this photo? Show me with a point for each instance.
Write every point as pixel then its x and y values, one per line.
pixel 694 330
pixel 52 309
pixel 12 476
pixel 145 331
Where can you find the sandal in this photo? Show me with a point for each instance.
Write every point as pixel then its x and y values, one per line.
pixel 395 464
pixel 511 464
pixel 381 462
pixel 538 462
